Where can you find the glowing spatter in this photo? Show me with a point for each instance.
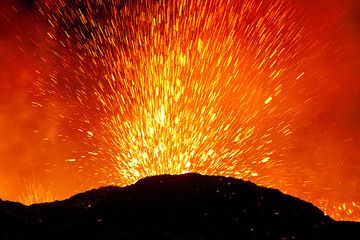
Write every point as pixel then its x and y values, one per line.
pixel 189 86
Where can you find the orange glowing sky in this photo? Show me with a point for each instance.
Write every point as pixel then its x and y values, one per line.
pixel 107 92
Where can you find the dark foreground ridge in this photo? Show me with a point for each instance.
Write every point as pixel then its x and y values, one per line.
pixel 189 206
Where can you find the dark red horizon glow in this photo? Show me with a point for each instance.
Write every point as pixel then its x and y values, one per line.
pixel 85 103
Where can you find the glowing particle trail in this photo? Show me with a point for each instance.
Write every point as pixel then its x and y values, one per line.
pixel 35 192
pixel 268 100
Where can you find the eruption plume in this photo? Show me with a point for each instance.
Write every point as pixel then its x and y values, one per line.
pixel 226 87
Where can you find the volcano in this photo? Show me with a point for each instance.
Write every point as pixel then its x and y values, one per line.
pixel 189 206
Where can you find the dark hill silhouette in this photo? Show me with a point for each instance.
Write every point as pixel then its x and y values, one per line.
pixel 189 206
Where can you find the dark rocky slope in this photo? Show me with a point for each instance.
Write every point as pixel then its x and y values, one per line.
pixel 184 207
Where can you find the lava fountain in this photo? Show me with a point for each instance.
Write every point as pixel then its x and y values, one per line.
pixel 221 87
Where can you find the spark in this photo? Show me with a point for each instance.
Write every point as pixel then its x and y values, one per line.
pixel 268 100
pixel 70 160
pixel 35 192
